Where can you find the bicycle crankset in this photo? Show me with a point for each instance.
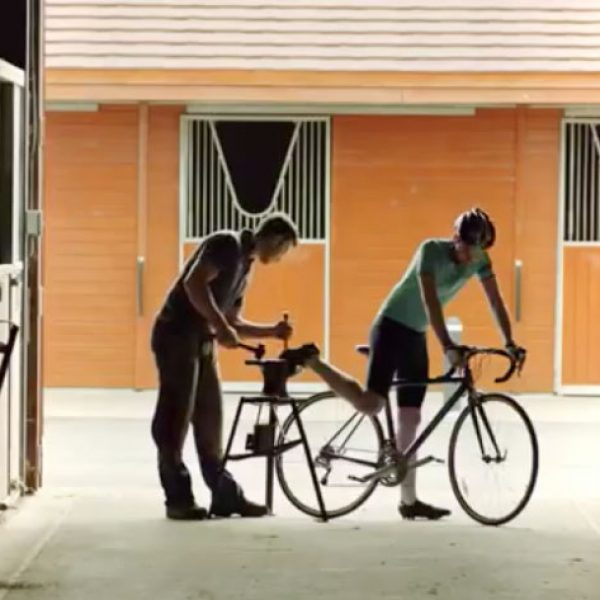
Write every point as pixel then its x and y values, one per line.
pixel 397 471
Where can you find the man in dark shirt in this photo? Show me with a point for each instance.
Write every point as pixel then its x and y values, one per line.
pixel 204 304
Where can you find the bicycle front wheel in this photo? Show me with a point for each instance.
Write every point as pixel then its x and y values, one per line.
pixel 344 444
pixel 493 459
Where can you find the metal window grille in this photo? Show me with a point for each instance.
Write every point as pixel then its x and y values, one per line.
pixel 301 192
pixel 582 185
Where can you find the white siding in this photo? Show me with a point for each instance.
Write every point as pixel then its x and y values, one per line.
pixel 350 35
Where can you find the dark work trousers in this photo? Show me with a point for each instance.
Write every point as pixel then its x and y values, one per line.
pixel 189 392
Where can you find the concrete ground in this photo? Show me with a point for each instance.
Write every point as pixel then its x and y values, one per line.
pixel 97 529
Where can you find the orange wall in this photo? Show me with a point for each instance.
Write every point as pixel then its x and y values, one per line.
pixel 92 334
pixel 397 180
pixel 89 247
pixel 581 328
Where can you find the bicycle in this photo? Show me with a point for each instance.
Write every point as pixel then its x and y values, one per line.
pixel 357 456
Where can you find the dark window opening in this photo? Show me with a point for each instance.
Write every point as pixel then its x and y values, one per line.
pixel 254 152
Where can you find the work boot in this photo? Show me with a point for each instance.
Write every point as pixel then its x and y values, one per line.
pixel 222 507
pixel 420 510
pixel 227 495
pixel 187 513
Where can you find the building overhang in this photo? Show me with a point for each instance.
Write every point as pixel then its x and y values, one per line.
pixel 314 88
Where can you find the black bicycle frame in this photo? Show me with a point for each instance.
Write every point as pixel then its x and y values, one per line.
pixel 465 385
pixel 437 419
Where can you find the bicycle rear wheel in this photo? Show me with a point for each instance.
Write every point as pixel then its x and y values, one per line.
pixel 493 459
pixel 343 444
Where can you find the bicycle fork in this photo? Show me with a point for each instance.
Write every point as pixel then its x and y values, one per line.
pixel 477 413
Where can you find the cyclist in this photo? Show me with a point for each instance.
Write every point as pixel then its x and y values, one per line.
pixel 398 347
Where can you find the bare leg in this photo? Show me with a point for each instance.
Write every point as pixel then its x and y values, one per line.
pixel 347 387
pixel 410 507
pixel 408 423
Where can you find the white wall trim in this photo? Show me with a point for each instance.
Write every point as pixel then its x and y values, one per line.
pixel 579 390
pixel 182 197
pixel 18 201
pixel 11 74
pixel 12 269
pixel 220 113
pixel 301 111
pixel 327 258
pixel 303 242
pixel 558 316
pixel 72 107
pixel 585 110
pixel 581 244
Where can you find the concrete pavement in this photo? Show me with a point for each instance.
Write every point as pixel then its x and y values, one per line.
pixel 97 529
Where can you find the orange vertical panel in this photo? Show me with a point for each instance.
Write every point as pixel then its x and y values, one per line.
pixel 162 234
pixel 90 247
pixel 581 326
pixel 536 219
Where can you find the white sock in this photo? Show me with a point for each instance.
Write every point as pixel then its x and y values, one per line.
pixel 408 423
pixel 408 488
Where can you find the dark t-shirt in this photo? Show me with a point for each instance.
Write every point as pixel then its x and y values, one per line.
pixel 230 254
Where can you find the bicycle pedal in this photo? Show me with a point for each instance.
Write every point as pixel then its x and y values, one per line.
pixel 434 459
pixel 425 461
pixel 358 479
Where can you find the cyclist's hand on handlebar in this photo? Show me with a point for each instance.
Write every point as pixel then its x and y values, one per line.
pixel 517 352
pixel 515 349
pixel 227 336
pixel 455 356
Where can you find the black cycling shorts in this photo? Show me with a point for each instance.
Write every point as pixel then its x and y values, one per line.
pixel 396 351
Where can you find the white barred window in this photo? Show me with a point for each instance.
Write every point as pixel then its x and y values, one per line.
pixel 235 171
pixel 582 182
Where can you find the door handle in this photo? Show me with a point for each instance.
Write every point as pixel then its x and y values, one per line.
pixel 518 288
pixel 139 284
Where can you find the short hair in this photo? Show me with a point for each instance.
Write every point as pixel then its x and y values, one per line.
pixel 278 225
